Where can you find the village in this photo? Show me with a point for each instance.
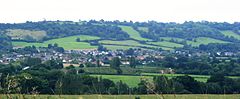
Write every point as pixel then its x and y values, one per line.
pixel 93 57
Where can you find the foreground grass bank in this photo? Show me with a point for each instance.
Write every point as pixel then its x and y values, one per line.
pixel 164 96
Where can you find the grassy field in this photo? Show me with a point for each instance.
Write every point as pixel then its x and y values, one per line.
pixel 96 96
pixel 68 43
pixel 204 40
pixel 172 38
pixel 133 33
pixel 115 47
pixel 20 34
pixel 128 44
pixel 166 44
pixel 132 81
pixel 231 33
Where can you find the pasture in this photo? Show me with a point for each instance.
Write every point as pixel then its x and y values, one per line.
pixel 166 44
pixel 133 81
pixel 133 33
pixel 68 43
pixel 204 40
pixel 116 47
pixel 129 44
pixel 171 38
pixel 231 34
pixel 20 34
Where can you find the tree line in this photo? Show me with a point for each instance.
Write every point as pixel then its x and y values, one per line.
pixel 32 76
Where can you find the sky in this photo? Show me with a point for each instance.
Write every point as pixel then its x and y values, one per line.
pixel 18 11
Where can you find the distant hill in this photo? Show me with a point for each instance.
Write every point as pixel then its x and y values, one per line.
pixel 148 35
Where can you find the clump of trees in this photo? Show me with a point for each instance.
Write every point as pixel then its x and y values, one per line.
pixel 5 42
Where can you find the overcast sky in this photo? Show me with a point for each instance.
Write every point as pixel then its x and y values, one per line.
pixel 15 11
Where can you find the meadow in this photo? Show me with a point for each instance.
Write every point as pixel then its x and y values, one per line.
pixel 116 47
pixel 171 38
pixel 20 34
pixel 166 44
pixel 68 43
pixel 133 33
pixel 129 44
pixel 231 34
pixel 133 81
pixel 204 40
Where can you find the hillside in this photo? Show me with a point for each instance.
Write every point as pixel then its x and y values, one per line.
pixel 121 35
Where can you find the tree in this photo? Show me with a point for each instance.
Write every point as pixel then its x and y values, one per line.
pixel 81 66
pixel 33 61
pixel 50 46
pixel 70 67
pixel 98 63
pixel 115 64
pixel 78 40
pixel 101 48
pixel 162 84
pixel 132 62
pixel 55 45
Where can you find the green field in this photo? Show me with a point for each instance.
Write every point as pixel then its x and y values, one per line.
pixel 126 43
pixel 98 96
pixel 204 40
pixel 166 44
pixel 20 34
pixel 172 38
pixel 133 81
pixel 231 33
pixel 68 43
pixel 133 33
pixel 116 47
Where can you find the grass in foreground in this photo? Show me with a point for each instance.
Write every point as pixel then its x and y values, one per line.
pixel 166 96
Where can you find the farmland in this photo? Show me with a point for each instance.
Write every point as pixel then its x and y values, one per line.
pixel 231 34
pixel 66 42
pixel 115 47
pixel 20 34
pixel 133 81
pixel 128 44
pixel 172 38
pixel 133 33
pixel 166 44
pixel 204 40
